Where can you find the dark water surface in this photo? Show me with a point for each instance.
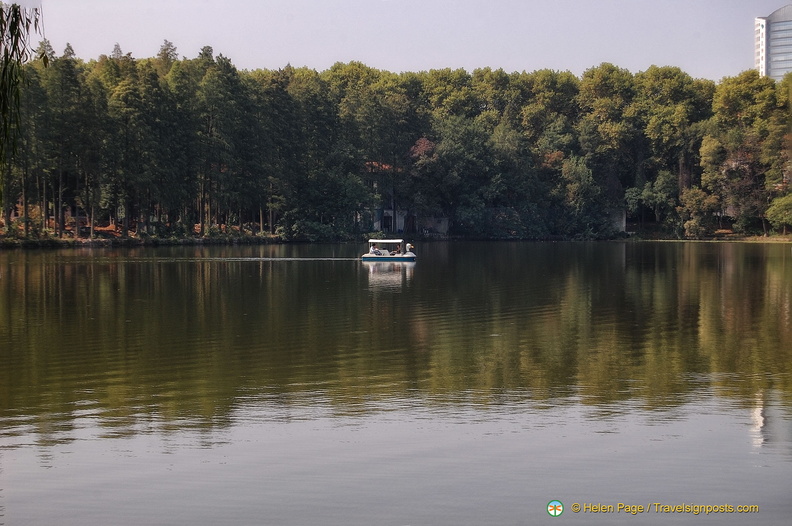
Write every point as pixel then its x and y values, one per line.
pixel 295 385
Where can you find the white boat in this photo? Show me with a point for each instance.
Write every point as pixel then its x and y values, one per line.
pixel 388 250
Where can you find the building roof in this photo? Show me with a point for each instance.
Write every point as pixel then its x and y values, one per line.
pixel 781 14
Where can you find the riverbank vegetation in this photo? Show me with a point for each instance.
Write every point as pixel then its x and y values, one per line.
pixel 173 148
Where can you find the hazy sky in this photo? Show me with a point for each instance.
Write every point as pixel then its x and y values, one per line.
pixel 706 38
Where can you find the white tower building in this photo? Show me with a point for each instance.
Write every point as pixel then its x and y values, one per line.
pixel 773 43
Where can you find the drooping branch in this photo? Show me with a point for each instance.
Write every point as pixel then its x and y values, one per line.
pixel 17 24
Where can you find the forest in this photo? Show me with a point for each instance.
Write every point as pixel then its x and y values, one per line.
pixel 169 147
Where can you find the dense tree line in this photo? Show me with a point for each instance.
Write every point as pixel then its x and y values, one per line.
pixel 167 146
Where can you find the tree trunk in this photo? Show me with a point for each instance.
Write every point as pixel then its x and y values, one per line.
pixel 271 213
pixel 125 224
pixel 202 209
pixel 25 211
pixel 683 175
pixel 44 207
pixel 61 220
pixel 6 190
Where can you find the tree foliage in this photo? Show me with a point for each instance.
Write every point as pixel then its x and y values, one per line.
pixel 17 25
pixel 171 146
pixel 780 212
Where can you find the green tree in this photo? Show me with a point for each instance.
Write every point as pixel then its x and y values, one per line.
pixel 548 121
pixel 609 130
pixel 29 164
pixel 550 113
pixel 128 177
pixel 450 175
pixel 277 144
pixel 448 92
pixel 63 82
pixel 182 198
pixel 697 211
pixel 166 58
pixel 743 146
pixel 159 168
pixel 661 195
pixel 371 108
pixel 93 128
pixel 671 107
pixel 671 103
pixel 779 213
pixel 583 198
pixel 221 102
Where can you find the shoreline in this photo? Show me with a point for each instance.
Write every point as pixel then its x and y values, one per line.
pixel 134 242
pixel 131 242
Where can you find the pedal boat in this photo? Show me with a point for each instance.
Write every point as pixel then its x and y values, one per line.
pixel 388 250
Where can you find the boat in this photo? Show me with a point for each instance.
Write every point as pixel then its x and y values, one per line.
pixel 388 250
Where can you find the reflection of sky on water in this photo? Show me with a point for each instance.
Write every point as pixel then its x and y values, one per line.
pixel 406 461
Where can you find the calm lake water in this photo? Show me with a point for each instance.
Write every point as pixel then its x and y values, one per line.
pixel 295 385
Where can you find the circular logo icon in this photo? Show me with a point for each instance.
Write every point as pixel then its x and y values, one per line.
pixel 555 508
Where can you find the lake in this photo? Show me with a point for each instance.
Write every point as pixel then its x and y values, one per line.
pixel 634 382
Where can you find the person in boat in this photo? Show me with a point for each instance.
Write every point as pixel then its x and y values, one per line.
pixel 374 250
pixel 397 251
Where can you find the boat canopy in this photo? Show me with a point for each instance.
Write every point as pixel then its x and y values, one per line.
pixel 385 241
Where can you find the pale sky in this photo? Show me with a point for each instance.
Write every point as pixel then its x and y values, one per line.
pixel 706 38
